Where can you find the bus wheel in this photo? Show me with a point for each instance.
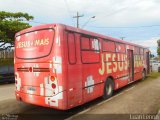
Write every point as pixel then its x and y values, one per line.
pixel 143 74
pixel 108 88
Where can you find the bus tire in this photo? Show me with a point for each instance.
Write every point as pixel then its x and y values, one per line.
pixel 108 88
pixel 143 74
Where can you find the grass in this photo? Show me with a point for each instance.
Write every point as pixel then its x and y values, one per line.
pixel 153 75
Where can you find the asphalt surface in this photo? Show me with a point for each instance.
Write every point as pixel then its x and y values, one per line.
pixel 6 91
pixel 142 97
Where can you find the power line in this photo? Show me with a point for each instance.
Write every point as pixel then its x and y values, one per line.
pixel 68 9
pixel 86 8
pixel 87 21
pixel 33 21
pixel 112 13
pixel 126 27
pixel 121 9
pixel 116 11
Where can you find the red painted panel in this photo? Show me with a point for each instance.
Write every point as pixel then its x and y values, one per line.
pixel 108 46
pixel 85 43
pixel 90 56
pixel 34 44
pixel 71 48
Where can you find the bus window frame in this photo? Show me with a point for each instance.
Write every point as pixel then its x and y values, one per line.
pixel 98 51
pixel 104 40
pixel 138 50
pixel 69 32
pixel 124 47
pixel 40 56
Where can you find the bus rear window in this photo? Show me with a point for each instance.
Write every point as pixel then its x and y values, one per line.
pixel 34 44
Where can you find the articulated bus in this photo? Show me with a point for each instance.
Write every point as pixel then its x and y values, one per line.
pixel 61 67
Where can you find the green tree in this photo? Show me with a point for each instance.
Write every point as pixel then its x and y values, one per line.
pixel 158 49
pixel 10 23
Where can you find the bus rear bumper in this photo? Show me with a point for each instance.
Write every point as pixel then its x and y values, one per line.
pixel 52 102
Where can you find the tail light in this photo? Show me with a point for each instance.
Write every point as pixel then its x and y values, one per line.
pixel 30 69
pixel 53 86
pixel 16 81
pixel 52 78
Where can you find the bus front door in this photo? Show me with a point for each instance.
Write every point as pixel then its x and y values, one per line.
pixel 130 65
pixel 147 62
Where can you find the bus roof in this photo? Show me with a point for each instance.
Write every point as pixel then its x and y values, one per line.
pixel 78 30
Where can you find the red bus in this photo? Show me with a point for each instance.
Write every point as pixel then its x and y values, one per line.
pixel 61 67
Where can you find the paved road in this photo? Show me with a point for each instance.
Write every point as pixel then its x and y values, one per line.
pixel 142 98
pixel 6 91
pixel 139 97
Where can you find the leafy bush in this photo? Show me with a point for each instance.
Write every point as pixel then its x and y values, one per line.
pixel 4 62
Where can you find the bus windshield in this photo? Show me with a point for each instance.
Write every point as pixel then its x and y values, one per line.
pixel 34 44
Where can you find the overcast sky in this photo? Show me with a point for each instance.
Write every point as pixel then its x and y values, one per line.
pixel 136 20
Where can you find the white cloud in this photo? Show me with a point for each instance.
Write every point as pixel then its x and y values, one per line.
pixel 150 43
pixel 107 12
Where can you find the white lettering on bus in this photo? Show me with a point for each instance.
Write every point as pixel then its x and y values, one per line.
pixel 108 64
pixel 114 63
pixel 119 63
pixel 38 42
pixel 42 42
pixel 111 64
pixel 101 71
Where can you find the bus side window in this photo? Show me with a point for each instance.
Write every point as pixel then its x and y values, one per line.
pixel 85 43
pixel 71 48
pixel 120 48
pixel 108 46
pixel 90 50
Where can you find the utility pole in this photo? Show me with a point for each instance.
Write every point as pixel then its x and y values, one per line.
pixel 78 16
pixel 122 38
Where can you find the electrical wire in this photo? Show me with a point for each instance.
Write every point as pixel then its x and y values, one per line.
pixel 125 27
pixel 69 11
pixel 33 21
